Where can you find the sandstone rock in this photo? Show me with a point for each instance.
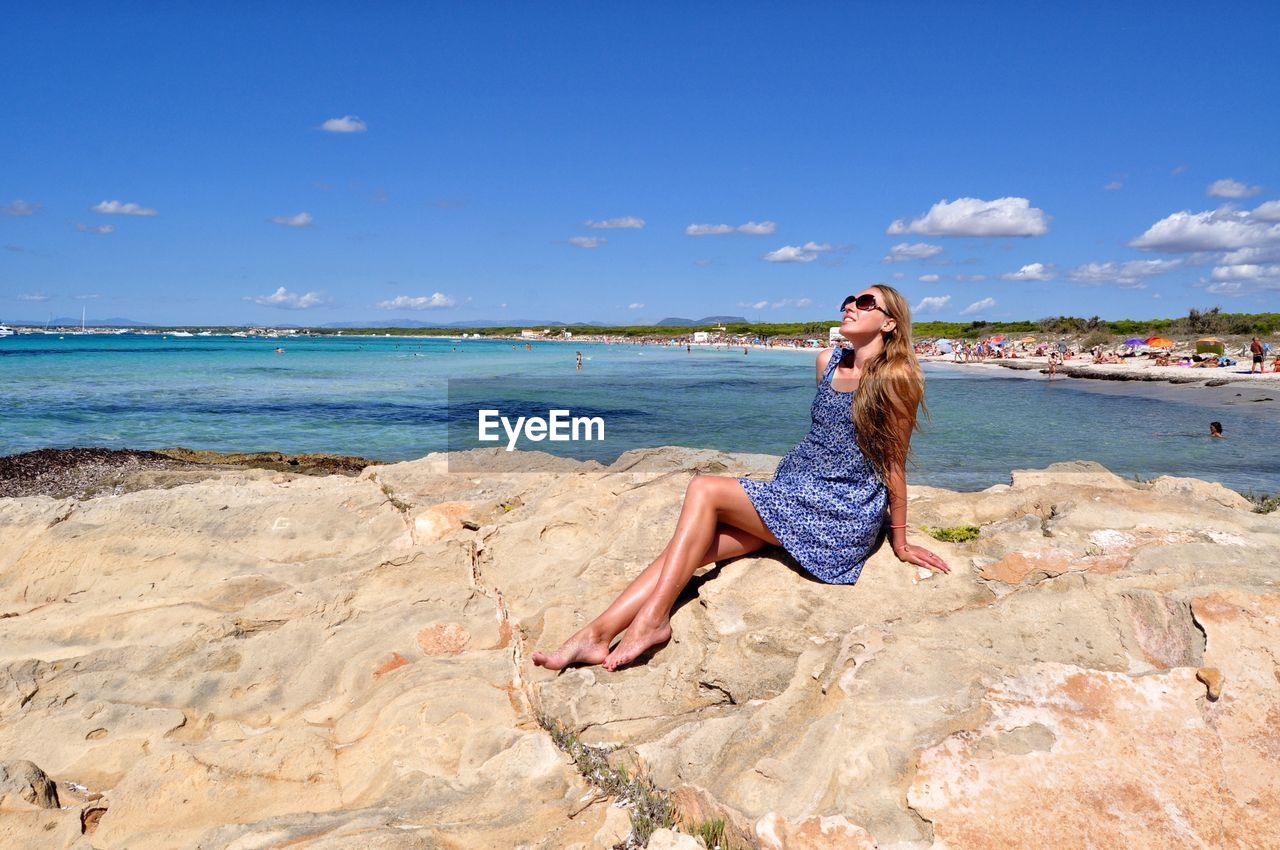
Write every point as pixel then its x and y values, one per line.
pixel 833 832
pixel 669 839
pixel 614 830
pixel 23 782
pixel 1212 678
pixel 237 664
pixel 1194 491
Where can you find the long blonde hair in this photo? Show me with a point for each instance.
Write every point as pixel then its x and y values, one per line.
pixel 890 391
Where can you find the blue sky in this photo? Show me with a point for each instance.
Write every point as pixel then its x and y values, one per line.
pixel 552 160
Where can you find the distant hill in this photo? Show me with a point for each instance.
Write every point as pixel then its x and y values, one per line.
pixel 705 320
pixel 472 323
pixel 67 321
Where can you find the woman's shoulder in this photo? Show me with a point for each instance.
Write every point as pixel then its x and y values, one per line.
pixel 824 358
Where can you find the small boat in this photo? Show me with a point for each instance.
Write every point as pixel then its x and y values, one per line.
pixel 181 333
pixel 5 330
pixel 205 333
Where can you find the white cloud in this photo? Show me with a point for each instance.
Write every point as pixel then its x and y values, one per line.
pixel 929 278
pixel 1268 211
pixel 635 306
pixel 1213 230
pixel 1229 188
pixel 932 304
pixel 751 228
pixel 791 302
pixel 19 207
pixel 1246 256
pixel 1244 278
pixel 587 241
pixel 434 301
pixel 806 253
pixel 33 296
pixel 708 229
pixel 626 222
pixel 978 306
pixel 1113 186
pixel 117 208
pixel 91 296
pixel 905 252
pixel 99 229
pixel 1128 274
pixel 1031 271
pixel 1246 272
pixel 287 300
pixel 976 217
pixel 897 275
pixel 754 305
pixel 1225 288
pixel 971 277
pixel 345 124
pixel 1178 169
pixel 302 219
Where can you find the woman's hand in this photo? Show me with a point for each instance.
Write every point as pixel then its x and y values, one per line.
pixel 921 557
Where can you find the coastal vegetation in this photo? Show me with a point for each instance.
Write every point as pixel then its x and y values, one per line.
pixel 650 808
pixel 1196 323
pixel 953 534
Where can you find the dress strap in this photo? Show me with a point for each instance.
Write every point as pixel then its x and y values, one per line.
pixel 832 363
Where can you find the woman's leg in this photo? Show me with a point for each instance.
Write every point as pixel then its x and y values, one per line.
pixel 590 644
pixel 711 501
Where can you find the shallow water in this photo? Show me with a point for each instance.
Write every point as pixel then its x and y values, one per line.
pixel 389 398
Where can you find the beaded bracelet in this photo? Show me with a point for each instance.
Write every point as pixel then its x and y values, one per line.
pixel 904 525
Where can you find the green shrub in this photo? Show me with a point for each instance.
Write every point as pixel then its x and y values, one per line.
pixel 953 534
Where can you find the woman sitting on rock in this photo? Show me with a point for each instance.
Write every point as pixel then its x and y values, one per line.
pixel 826 504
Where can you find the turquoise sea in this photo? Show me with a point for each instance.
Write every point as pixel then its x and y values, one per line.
pixel 388 398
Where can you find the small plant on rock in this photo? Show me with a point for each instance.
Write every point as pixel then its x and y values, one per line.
pixel 954 533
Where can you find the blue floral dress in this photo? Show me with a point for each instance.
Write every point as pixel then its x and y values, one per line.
pixel 825 503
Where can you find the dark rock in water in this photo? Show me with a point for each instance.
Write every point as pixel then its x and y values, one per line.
pixel 28 782
pixel 315 464
pixel 78 473
pixel 82 473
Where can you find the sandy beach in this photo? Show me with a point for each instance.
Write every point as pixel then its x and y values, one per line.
pixel 1134 370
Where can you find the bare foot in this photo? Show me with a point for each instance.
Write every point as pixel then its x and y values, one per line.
pixel 638 639
pixel 582 648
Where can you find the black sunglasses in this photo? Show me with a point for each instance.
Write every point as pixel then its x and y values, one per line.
pixel 866 302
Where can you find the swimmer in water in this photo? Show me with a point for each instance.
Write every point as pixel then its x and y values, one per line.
pixel 1215 430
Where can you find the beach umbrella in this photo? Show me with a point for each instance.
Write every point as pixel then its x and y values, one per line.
pixel 1027 339
pixel 1159 342
pixel 999 338
pixel 1135 341
pixel 944 345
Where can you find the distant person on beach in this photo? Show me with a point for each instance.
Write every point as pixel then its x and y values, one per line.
pixel 832 500
pixel 1215 429
pixel 1255 348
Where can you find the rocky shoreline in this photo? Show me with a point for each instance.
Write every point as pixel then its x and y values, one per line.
pixel 260 658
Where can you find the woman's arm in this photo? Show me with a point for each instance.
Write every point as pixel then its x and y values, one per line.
pixel 905 552
pixel 896 482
